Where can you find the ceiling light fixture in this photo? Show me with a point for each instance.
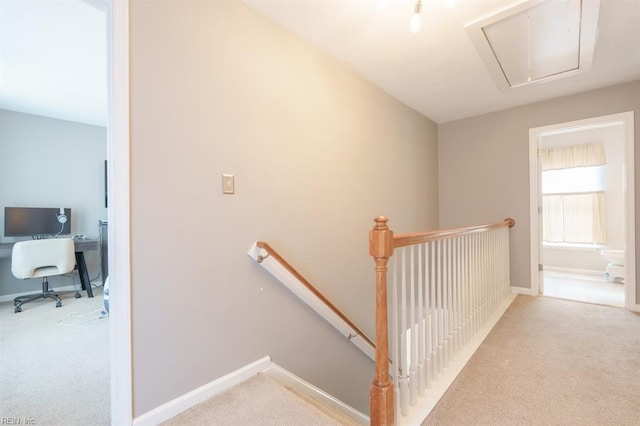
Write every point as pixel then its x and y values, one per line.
pixel 414 25
pixel 451 3
pixel 382 4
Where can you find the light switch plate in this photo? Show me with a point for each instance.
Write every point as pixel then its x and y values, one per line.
pixel 228 186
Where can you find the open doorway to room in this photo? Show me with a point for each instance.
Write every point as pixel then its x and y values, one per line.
pixel 582 198
pixel 83 369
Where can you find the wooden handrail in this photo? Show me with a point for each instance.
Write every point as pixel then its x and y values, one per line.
pixel 273 253
pixel 402 240
pixel 381 245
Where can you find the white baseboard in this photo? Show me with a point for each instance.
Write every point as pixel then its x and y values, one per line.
pixel 521 290
pixel 201 394
pixel 576 271
pixel 176 406
pixel 264 365
pixel 286 378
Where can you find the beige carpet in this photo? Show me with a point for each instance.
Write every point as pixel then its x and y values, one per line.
pixel 550 362
pixel 259 401
pixel 54 363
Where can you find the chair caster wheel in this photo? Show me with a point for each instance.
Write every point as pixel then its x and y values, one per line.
pixel 17 309
pixel 78 296
pixel 58 304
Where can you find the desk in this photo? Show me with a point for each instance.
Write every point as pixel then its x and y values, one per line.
pixel 81 247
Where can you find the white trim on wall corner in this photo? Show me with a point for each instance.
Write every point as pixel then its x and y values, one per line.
pixel 631 296
pixel 190 399
pixel 264 365
pixel 521 290
pixel 534 213
pixel 118 213
pixel 288 379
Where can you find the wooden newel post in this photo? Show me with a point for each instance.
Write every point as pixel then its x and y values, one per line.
pixel 381 402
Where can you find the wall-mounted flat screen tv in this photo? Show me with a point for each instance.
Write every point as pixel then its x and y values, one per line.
pixel 36 221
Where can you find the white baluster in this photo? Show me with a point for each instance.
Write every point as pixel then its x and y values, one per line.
pixel 458 294
pixel 440 307
pixel 504 264
pixel 494 275
pixel 492 278
pixel 485 281
pixel 468 284
pixel 459 298
pixel 404 358
pixel 497 263
pixel 476 282
pixel 464 256
pixel 428 371
pixel 507 260
pixel 487 278
pixel 507 266
pixel 445 303
pixel 452 299
pixel 394 336
pixel 421 321
pixel 450 303
pixel 413 331
pixel 433 313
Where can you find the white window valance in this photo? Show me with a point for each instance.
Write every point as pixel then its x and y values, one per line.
pixel 584 155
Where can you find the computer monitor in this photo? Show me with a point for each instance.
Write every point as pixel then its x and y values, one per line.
pixel 36 221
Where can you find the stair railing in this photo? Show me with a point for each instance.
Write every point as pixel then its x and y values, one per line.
pixel 267 257
pixel 444 287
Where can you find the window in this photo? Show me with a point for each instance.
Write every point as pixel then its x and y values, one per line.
pixel 573 186
pixel 573 205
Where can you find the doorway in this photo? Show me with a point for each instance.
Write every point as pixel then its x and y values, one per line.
pixel 118 345
pixel 578 270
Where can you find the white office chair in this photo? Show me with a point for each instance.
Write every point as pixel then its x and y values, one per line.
pixel 42 258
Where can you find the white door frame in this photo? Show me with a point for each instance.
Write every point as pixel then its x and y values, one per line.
pixel 118 213
pixel 535 134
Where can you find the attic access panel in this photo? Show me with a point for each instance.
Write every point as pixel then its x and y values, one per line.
pixel 537 40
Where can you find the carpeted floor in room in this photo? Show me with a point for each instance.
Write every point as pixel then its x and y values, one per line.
pixel 54 362
pixel 550 362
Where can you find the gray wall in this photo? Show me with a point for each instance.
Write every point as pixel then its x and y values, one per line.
pixel 46 162
pixel 484 163
pixel 316 151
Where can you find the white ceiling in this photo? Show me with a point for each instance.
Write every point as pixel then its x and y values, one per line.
pixel 53 53
pixel 53 59
pixel 438 71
